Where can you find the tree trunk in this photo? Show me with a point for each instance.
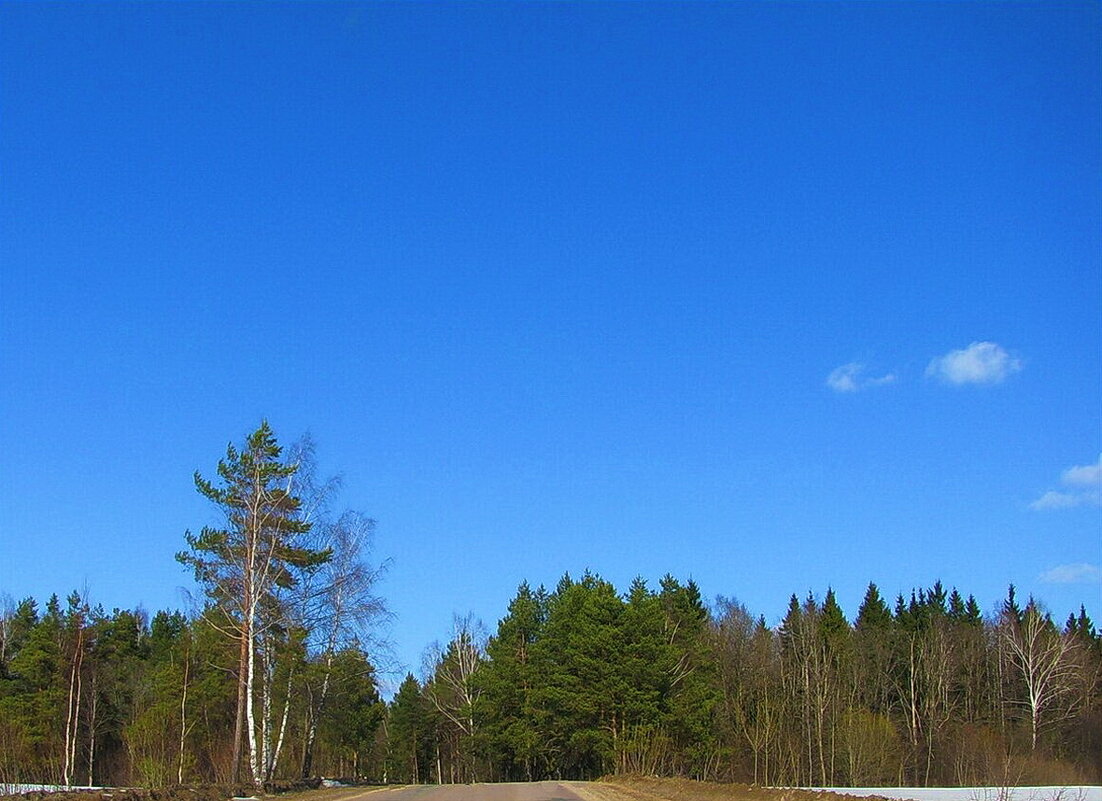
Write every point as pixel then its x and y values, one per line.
pixel 92 734
pixel 267 679
pixel 239 720
pixel 183 723
pixel 312 729
pixel 282 726
pixel 250 710
pixel 72 717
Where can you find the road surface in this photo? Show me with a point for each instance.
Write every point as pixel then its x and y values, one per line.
pixel 534 791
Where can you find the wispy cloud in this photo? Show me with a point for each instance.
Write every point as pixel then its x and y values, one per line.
pixel 1056 500
pixel 1088 475
pixel 849 378
pixel 1085 489
pixel 979 363
pixel 1080 573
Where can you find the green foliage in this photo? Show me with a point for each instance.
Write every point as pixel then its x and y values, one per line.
pixel 873 614
pixel 263 524
pixel 156 701
pixel 511 737
pixel 579 658
pixel 348 733
pixel 246 569
pixel 409 735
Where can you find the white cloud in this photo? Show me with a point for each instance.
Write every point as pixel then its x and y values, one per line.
pixel 1086 484
pixel 1088 475
pixel 1055 500
pixel 848 378
pixel 979 363
pixel 844 378
pixel 1081 573
pixel 889 378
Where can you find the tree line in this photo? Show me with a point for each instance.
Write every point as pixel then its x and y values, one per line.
pixel 97 698
pixel 585 681
pixel 271 675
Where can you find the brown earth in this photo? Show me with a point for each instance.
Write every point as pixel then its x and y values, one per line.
pixel 648 788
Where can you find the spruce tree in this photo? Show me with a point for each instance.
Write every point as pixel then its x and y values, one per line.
pixel 873 651
pixel 957 611
pixel 873 615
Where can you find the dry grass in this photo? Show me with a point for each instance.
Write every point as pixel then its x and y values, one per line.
pixel 329 794
pixel 649 788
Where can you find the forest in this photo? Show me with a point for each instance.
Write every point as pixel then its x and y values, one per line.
pixel 271 675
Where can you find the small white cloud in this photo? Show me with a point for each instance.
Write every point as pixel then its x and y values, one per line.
pixel 979 363
pixel 1088 475
pixel 1081 573
pixel 1086 484
pixel 1056 500
pixel 848 378
pixel 844 378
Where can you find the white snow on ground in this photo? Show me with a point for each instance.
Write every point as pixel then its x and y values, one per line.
pixel 1053 793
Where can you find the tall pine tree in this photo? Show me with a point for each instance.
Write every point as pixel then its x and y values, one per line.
pixel 243 564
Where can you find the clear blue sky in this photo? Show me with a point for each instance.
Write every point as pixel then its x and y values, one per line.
pixel 776 296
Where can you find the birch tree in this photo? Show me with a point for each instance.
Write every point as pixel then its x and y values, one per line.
pixel 76 619
pixel 1045 664
pixel 452 689
pixel 339 608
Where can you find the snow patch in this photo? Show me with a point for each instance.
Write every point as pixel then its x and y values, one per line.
pixel 1048 793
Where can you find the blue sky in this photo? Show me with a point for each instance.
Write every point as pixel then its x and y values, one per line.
pixel 776 296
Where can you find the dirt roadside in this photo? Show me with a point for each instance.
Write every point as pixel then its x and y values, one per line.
pixel 647 788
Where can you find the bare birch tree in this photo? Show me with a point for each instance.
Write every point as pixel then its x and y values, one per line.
pixel 452 689
pixel 336 607
pixel 1045 662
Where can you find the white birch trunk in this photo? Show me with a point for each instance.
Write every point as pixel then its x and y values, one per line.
pixel 72 716
pixel 266 711
pixel 250 713
pixel 282 726
pixel 92 734
pixel 183 724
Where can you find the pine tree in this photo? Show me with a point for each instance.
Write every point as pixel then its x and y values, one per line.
pixel 408 734
pixel 693 695
pixel 36 701
pixel 348 731
pixel 582 684
pixel 508 681
pixel 243 565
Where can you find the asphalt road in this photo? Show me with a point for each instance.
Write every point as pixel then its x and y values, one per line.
pixel 535 791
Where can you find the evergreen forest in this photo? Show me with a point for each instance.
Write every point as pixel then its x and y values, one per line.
pixel 271 675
